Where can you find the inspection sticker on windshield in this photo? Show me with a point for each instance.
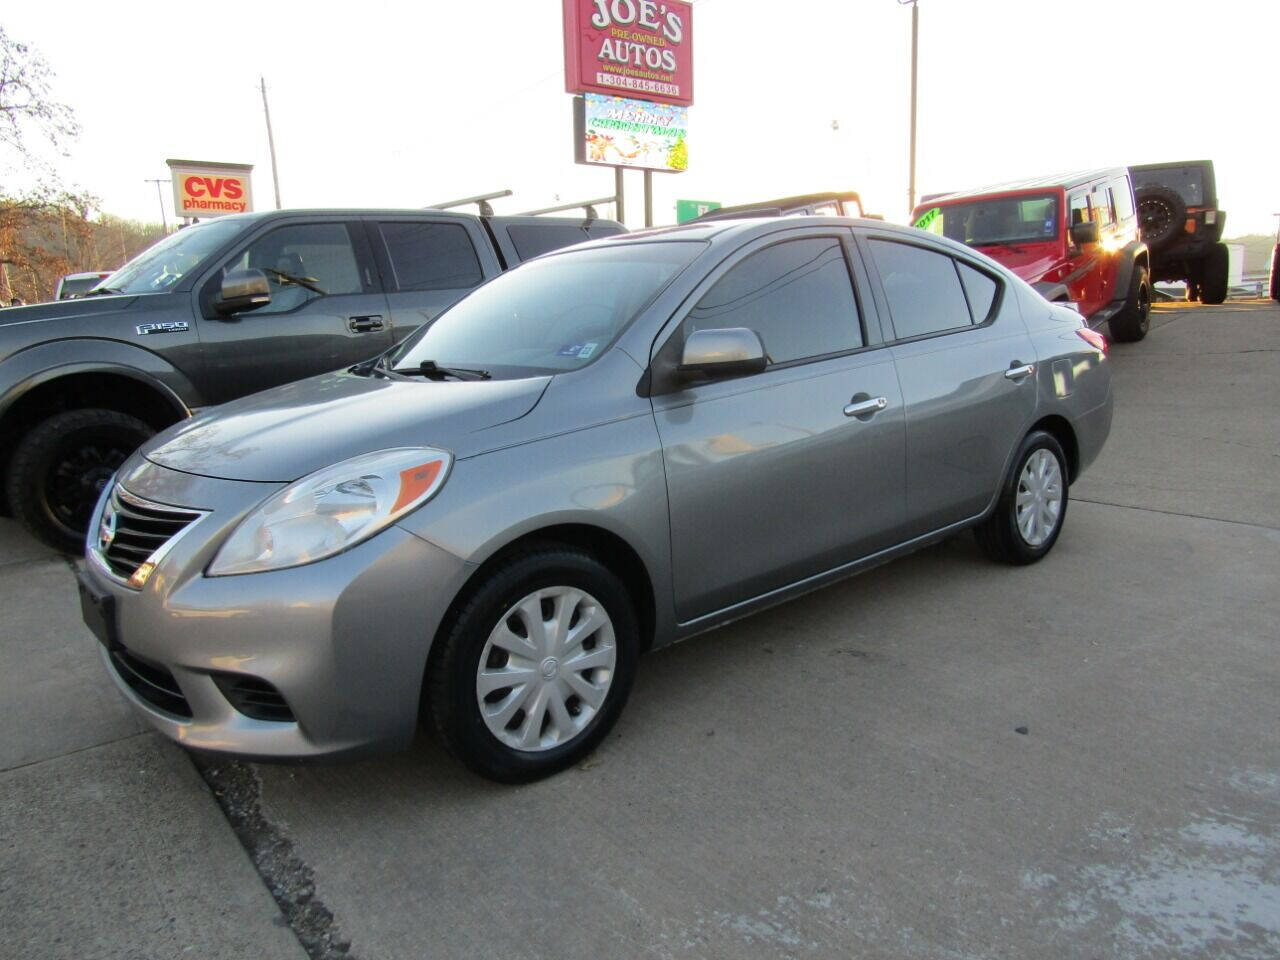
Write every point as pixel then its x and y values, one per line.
pixel 580 350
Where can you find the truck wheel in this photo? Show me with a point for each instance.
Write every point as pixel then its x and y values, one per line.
pixel 1275 273
pixel 60 467
pixel 1132 323
pixel 1214 289
pixel 1161 213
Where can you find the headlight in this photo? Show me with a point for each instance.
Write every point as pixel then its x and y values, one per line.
pixel 332 509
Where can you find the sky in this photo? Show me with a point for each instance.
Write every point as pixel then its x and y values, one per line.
pixel 389 104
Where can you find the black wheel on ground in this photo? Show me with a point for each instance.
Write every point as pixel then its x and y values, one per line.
pixel 1132 323
pixel 1161 213
pixel 60 467
pixel 535 665
pixel 1193 291
pixel 1216 269
pixel 1033 504
pixel 1275 272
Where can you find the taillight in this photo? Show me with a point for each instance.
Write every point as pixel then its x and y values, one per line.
pixel 1094 339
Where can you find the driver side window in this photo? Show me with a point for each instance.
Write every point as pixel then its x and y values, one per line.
pixel 303 262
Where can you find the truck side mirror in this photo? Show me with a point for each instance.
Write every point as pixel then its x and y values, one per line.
pixel 242 290
pixel 1082 233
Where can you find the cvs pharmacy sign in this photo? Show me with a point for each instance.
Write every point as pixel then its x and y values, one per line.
pixel 206 189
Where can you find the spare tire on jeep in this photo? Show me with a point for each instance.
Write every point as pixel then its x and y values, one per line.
pixel 1161 213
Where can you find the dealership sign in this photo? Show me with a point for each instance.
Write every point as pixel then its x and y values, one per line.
pixel 636 48
pixel 617 132
pixel 206 189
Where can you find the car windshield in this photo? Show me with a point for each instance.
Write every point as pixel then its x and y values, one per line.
pixel 1008 220
pixel 1187 181
pixel 162 265
pixel 549 315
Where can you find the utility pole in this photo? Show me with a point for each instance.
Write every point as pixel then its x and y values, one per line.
pixel 271 142
pixel 164 223
pixel 915 37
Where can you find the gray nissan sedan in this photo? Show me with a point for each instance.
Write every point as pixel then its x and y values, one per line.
pixel 610 448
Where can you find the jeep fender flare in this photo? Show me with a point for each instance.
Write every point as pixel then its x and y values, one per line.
pixel 44 363
pixel 1129 256
pixel 1053 292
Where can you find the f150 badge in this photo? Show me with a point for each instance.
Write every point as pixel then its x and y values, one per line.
pixel 169 326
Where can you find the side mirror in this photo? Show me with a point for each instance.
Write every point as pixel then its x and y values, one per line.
pixel 729 352
pixel 242 290
pixel 1082 233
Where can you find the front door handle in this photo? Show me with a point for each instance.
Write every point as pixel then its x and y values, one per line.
pixel 364 324
pixel 864 408
pixel 1016 372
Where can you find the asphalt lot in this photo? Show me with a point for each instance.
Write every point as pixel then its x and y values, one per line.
pixel 841 776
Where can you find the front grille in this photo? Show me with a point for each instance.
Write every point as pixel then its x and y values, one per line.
pixel 140 529
pixel 151 681
pixel 254 697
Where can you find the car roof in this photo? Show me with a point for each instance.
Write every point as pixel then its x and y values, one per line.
pixel 1064 181
pixel 747 228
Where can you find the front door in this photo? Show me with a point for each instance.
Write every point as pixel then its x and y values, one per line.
pixel 327 311
pixel 787 473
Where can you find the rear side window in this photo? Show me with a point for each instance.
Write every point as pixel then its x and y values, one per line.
pixel 796 295
pixel 1123 195
pixel 980 289
pixel 532 240
pixel 923 289
pixel 430 256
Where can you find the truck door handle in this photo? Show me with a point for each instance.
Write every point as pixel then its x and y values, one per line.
pixel 364 324
pixel 1016 372
pixel 864 408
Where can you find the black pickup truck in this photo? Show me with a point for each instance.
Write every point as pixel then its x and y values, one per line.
pixel 218 310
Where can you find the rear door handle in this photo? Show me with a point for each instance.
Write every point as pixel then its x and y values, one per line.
pixel 364 324
pixel 864 408
pixel 1020 372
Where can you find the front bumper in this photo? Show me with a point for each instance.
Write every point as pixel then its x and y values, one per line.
pixel 343 641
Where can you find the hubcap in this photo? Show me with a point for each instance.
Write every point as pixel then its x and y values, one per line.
pixel 1038 506
pixel 77 479
pixel 546 669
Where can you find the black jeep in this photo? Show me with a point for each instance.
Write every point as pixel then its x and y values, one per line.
pixel 1182 226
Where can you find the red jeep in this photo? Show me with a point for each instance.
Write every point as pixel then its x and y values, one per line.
pixel 1074 238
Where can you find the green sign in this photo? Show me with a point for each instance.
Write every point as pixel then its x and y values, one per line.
pixel 931 221
pixel 687 210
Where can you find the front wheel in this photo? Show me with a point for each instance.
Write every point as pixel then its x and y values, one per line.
pixel 536 665
pixel 1131 323
pixel 59 469
pixel 1033 504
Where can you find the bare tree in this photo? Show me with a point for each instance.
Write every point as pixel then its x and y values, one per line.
pixel 27 107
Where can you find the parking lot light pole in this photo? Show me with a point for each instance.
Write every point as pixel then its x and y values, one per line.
pixel 915 37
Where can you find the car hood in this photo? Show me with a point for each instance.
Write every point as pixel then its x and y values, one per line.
pixel 290 431
pixel 1028 262
pixel 66 309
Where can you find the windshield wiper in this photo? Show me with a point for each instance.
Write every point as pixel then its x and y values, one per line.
pixel 307 282
pixel 431 371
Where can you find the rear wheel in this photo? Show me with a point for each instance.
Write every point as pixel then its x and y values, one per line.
pixel 1275 273
pixel 59 469
pixel 1033 504
pixel 1132 323
pixel 1216 269
pixel 536 665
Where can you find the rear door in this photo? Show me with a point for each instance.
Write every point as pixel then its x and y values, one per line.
pixel 967 369
pixel 773 477
pixel 427 263
pixel 327 309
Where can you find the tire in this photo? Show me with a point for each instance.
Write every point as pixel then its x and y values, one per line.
pixel 494 735
pixel 60 467
pixel 1161 214
pixel 1132 323
pixel 1001 536
pixel 1275 272
pixel 1193 291
pixel 1216 268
